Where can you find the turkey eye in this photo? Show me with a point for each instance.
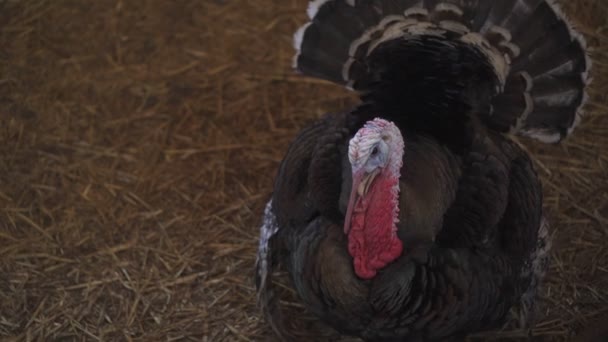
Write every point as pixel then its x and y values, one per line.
pixel 375 151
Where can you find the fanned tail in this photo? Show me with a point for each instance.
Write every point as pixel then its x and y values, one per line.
pixel 519 64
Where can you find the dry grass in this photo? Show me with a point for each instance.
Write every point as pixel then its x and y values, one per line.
pixel 138 143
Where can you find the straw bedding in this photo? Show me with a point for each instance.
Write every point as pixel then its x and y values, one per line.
pixel 138 144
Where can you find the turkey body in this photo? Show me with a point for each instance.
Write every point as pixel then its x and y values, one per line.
pixel 469 222
pixel 469 209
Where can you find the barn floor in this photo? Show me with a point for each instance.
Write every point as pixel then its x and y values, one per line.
pixel 138 144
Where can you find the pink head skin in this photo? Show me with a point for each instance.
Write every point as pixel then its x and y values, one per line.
pixel 376 156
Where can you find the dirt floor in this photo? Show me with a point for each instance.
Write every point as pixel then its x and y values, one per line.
pixel 138 144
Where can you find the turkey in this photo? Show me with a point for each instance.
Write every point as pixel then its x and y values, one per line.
pixel 414 216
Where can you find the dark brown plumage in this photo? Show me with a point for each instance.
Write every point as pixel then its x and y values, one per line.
pixel 453 77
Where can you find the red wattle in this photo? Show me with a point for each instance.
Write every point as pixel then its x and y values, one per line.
pixel 372 240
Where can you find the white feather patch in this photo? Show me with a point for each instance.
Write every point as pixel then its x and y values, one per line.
pixel 313 7
pixel 521 121
pixel 454 26
pixel 298 38
pixel 294 61
pixel 425 29
pixel 543 247
pixel 447 7
pixel 268 229
pixel 503 32
pixel 512 49
pixel 390 21
pixel 346 68
pixel 407 28
pixel 367 35
pixel 416 12
pixel 528 80
pixel 538 262
pixel 354 46
pixel 577 117
pixel 562 69
pixel 560 99
pixel 542 135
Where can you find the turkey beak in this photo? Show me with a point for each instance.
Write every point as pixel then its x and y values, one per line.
pixel 359 188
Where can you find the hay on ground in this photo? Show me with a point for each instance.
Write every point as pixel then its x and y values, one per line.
pixel 138 144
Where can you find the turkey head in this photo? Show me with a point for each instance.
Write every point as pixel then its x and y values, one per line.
pixel 375 154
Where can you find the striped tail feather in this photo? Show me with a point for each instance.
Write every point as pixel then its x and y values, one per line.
pixel 539 62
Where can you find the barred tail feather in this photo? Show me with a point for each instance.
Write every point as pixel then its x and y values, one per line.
pixel 538 60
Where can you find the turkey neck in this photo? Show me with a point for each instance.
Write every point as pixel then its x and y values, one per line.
pixel 373 213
